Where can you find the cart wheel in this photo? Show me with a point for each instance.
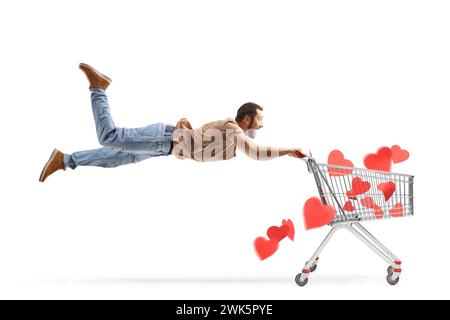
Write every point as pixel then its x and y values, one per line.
pixel 390 270
pixel 300 283
pixel 390 281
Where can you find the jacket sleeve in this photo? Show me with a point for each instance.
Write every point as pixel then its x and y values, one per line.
pixel 184 124
pixel 251 149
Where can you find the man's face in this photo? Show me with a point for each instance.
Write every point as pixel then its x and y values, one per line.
pixel 256 124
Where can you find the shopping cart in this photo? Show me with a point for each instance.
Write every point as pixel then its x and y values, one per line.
pixel 360 195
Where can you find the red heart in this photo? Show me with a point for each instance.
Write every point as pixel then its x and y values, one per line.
pixel 397 210
pixel 316 214
pixel 399 155
pixel 381 161
pixel 349 206
pixel 388 189
pixel 290 224
pixel 359 187
pixel 265 248
pixel 278 233
pixel 379 213
pixel 336 158
pixel 368 203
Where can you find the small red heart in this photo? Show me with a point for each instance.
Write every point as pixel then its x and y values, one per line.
pixel 359 187
pixel 336 158
pixel 399 155
pixel 265 248
pixel 349 206
pixel 316 214
pixel 368 203
pixel 379 213
pixel 388 189
pixel 397 210
pixel 290 224
pixel 381 161
pixel 278 233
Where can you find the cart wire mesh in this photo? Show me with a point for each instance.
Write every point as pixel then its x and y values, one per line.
pixel 362 194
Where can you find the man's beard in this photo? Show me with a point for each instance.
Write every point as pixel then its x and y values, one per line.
pixel 251 133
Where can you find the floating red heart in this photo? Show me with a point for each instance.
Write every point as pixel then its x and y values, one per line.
pixel 336 158
pixel 359 187
pixel 381 161
pixel 316 214
pixel 349 206
pixel 290 224
pixel 265 248
pixel 368 202
pixel 388 189
pixel 278 233
pixel 397 210
pixel 399 155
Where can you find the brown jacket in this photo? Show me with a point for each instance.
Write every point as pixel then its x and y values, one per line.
pixel 212 142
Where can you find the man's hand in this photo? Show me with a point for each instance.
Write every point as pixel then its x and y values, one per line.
pixel 296 153
pixel 184 124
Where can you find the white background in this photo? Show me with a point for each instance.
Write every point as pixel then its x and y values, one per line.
pixel 348 75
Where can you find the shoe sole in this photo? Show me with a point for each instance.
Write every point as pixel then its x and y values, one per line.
pixel 52 157
pixel 93 70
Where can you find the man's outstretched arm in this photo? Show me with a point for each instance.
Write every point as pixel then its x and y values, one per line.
pixel 258 152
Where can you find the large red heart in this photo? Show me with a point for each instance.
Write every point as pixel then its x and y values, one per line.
pixel 290 224
pixel 336 158
pixel 399 155
pixel 381 161
pixel 349 206
pixel 265 248
pixel 388 189
pixel 278 233
pixel 316 215
pixel 359 187
pixel 368 203
pixel 397 210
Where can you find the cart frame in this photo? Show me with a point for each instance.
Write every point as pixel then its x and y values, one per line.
pixel 351 222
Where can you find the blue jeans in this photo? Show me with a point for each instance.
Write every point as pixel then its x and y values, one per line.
pixel 121 145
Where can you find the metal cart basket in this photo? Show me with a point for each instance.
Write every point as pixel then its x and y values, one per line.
pixel 359 195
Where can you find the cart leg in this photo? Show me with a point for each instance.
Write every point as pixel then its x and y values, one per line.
pixel 302 278
pixel 377 247
pixel 378 243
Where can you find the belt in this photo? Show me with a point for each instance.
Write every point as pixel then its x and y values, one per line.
pixel 170 129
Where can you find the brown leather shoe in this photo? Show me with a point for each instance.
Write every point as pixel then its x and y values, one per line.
pixel 53 164
pixel 96 79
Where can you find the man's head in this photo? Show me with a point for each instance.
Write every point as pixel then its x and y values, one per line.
pixel 249 117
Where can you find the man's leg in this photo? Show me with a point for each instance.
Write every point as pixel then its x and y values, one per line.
pixel 103 157
pixel 152 138
pixel 122 145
